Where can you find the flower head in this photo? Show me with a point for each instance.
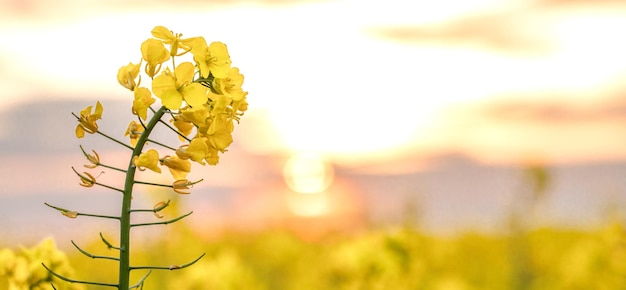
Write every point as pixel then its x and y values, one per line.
pixel 154 53
pixel 213 59
pixel 196 150
pixel 87 120
pixel 177 166
pixel 175 87
pixel 183 126
pixel 149 160
pixel 134 130
pixel 127 74
pixel 143 100
pixel 174 40
pixel 231 85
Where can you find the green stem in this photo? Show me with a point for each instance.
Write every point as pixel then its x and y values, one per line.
pixel 162 145
pixel 124 267
pixel 111 167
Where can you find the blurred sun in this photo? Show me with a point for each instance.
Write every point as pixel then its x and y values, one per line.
pixel 308 173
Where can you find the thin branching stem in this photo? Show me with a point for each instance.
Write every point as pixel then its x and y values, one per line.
pixel 140 282
pixel 171 267
pixel 172 128
pixel 163 222
pixel 107 243
pixel 93 181
pixel 79 281
pixel 92 255
pixel 154 210
pixel 97 161
pixel 161 144
pixel 153 184
pixel 68 212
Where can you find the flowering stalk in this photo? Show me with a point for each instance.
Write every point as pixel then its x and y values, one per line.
pixel 124 269
pixel 204 99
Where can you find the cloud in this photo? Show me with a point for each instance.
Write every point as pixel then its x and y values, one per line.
pixel 523 28
pixel 553 111
pixel 503 32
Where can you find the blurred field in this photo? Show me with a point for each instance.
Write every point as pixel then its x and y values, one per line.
pixel 391 257
pixel 398 258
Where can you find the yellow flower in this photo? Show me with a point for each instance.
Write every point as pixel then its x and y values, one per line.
pixel 220 104
pixel 127 74
pixel 231 85
pixel 199 116
pixel 220 133
pixel 213 59
pixel 149 160
pixel 143 100
pixel 177 166
pixel 154 53
pixel 134 130
pixel 174 40
pixel 196 150
pixel 176 87
pixel 87 120
pixel 213 156
pixel 184 127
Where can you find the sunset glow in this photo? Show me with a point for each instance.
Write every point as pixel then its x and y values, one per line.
pixel 353 103
pixel 308 173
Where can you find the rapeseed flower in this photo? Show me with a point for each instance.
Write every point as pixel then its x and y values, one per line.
pixel 127 74
pixel 134 131
pixel 173 88
pixel 87 120
pixel 155 54
pixel 177 166
pixel 213 59
pixel 143 100
pixel 148 160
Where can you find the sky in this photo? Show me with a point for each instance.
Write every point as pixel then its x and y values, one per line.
pixel 377 86
pixel 361 80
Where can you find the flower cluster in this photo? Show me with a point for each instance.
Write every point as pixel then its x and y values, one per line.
pixel 203 94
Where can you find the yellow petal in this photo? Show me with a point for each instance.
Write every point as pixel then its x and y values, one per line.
pixel 184 73
pixel 162 33
pixel 177 166
pixel 127 74
pixel 98 112
pixel 80 132
pixel 195 94
pixel 163 82
pixel 172 99
pixel 143 100
pixel 198 149
pixel 149 160
pixel 220 60
pixel 154 52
